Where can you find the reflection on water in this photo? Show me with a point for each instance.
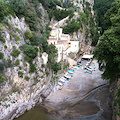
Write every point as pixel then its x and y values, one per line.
pixel 37 113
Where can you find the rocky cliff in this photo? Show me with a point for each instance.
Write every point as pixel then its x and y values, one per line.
pixel 20 88
pixel 24 78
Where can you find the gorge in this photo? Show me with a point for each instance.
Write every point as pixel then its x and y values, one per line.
pixel 30 66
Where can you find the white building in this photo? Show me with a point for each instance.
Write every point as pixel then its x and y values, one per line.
pixel 62 43
pixel 73 47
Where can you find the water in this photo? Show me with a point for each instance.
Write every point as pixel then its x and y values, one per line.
pixel 37 113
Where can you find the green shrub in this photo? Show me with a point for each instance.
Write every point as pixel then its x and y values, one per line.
pixel 1 55
pixel 35 40
pixel 47 73
pixel 28 59
pixel 20 67
pixel 15 52
pixel 20 74
pixel 16 37
pixel 9 63
pixel 32 68
pixel 2 39
pixel 2 78
pixel 22 47
pixel 71 27
pixel 17 62
pixel 30 51
pixel 28 34
pixel 43 65
pixel 1 26
pixel 5 46
pixel 27 78
pixel 1 66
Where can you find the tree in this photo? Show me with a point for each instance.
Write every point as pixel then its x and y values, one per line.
pixel 52 55
pixel 108 49
pixel 30 51
pixel 35 40
pixel 100 7
pixel 19 7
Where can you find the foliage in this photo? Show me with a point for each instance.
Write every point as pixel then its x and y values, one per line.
pixel 43 65
pixel 5 46
pixel 28 34
pixel 108 16
pixel 17 62
pixel 1 55
pixel 108 49
pixel 28 59
pixel 1 66
pixel 55 67
pixel 117 100
pixel 4 10
pixel 15 52
pixel 49 3
pixel 22 8
pixel 27 78
pixel 19 7
pixel 16 37
pixel 30 51
pixel 2 38
pixel 101 6
pixel 83 18
pixel 2 77
pixel 71 27
pixel 20 74
pixel 58 14
pixel 9 63
pixel 35 40
pixel 47 73
pixel 52 55
pixel 1 28
pixel 32 68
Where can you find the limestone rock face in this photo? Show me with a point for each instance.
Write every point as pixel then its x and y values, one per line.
pixel 22 89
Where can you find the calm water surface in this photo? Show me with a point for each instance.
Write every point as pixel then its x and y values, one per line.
pixel 37 113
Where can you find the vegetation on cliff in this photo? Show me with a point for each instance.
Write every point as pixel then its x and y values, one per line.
pixel 85 22
pixel 108 49
pixel 100 8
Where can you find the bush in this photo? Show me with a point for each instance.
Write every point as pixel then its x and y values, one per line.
pixel 43 65
pixel 35 40
pixel 47 73
pixel 28 34
pixel 16 37
pixel 1 66
pixel 28 59
pixel 2 78
pixel 32 68
pixel 1 26
pixel 1 55
pixel 9 63
pixel 5 46
pixel 27 78
pixel 2 39
pixel 71 27
pixel 3 12
pixel 20 74
pixel 30 51
pixel 17 62
pixel 15 52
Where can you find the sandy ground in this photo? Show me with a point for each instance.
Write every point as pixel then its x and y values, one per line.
pixel 79 85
